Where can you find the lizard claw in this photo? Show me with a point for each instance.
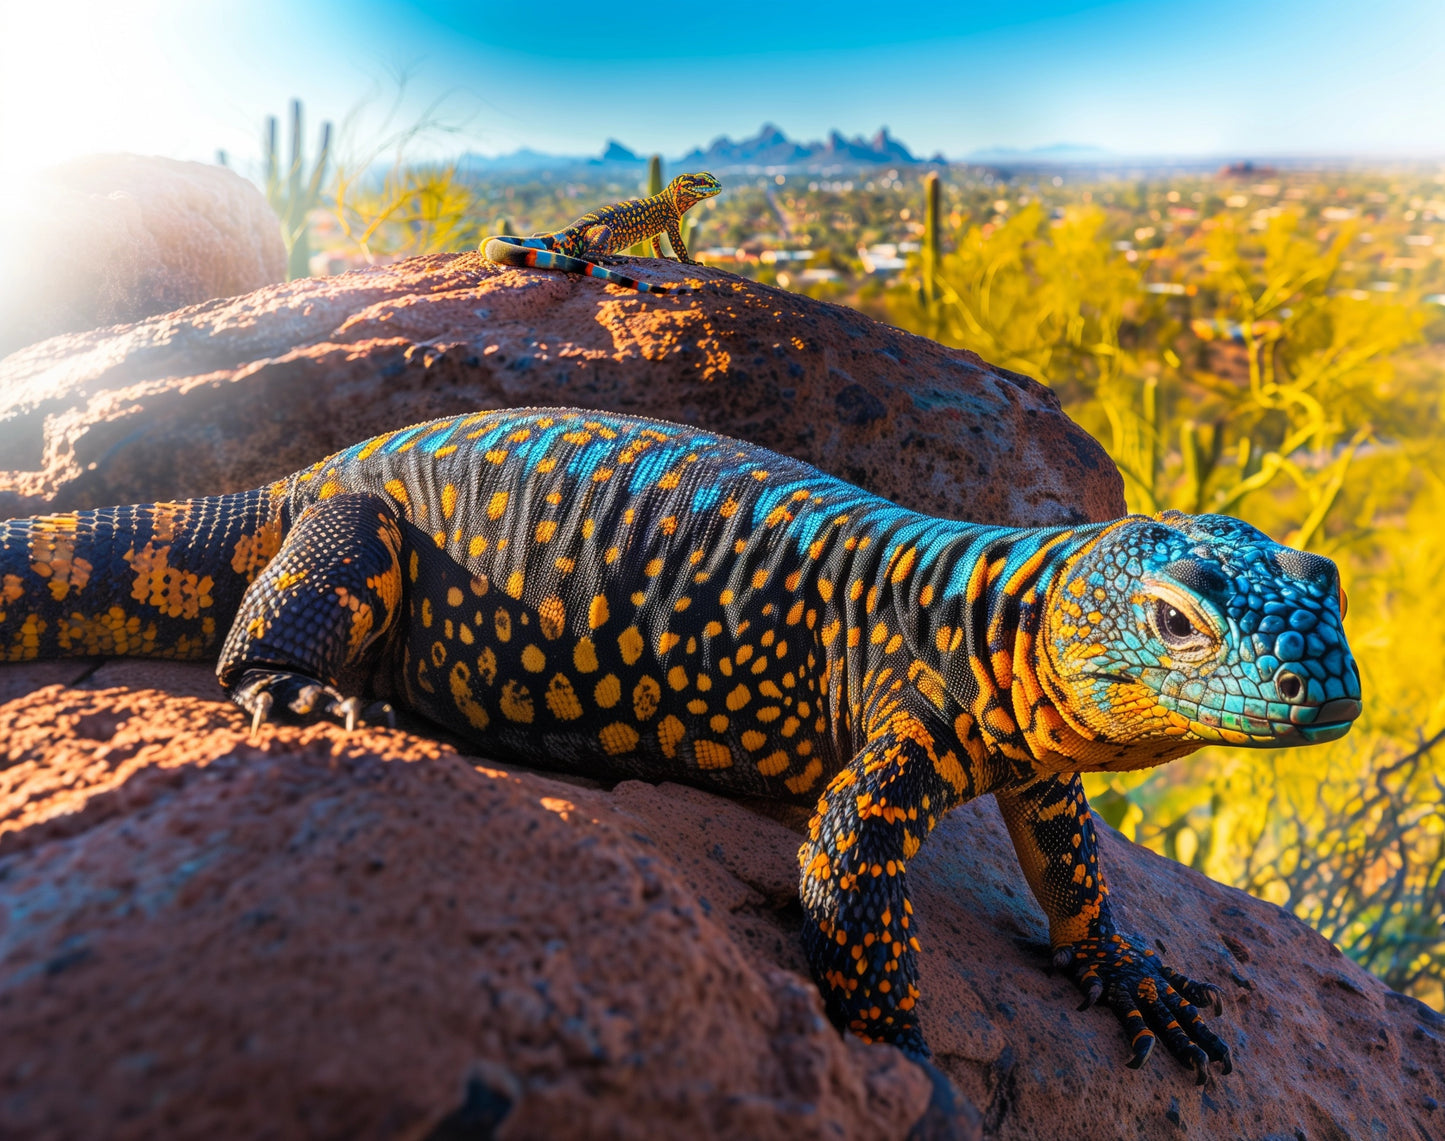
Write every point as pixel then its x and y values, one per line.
pixel 348 711
pixel 259 714
pixel 1153 1002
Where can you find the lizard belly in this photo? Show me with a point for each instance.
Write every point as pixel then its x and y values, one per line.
pixel 587 684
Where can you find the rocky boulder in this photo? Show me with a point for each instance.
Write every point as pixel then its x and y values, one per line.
pixel 233 393
pixel 117 238
pixel 373 935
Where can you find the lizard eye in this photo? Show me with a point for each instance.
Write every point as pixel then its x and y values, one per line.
pixel 1177 630
pixel 1173 625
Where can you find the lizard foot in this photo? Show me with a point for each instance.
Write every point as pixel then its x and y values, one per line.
pixel 1152 1000
pixel 301 698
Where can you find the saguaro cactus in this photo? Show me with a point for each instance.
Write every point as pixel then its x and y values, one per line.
pixel 292 197
pixel 654 186
pixel 932 245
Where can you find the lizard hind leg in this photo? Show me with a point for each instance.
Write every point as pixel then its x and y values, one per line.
pixel 311 627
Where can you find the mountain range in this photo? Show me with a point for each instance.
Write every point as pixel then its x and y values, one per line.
pixel 769 147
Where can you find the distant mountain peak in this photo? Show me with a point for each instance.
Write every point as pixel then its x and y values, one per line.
pixel 771 147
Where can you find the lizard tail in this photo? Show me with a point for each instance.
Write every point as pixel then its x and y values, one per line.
pixel 156 580
pixel 510 251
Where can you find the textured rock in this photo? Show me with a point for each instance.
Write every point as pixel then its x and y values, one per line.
pixel 362 936
pixel 332 935
pixel 113 238
pixel 237 392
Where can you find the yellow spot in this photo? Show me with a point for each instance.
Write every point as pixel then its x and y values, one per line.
pixel 503 622
pixel 753 740
pixel 618 738
pixel 533 659
pixel 645 697
pixel 639 597
pixel 454 596
pixel 584 657
pixel 631 644
pixel 726 597
pixel 653 568
pixel 669 732
pixel 704 682
pixel 712 755
pixel 545 530
pixel 667 641
pixel 608 691
pixel 712 629
pixel 562 700
pixel 552 617
pixel 597 612
pixel 769 713
pixel 729 508
pixel 514 584
pixel 517 703
pixel 497 506
pixel 739 697
pixel 718 723
pixel 807 778
pixel 449 500
pixel 458 680
pixel 677 678
pixel 476 546
pixel 773 763
pixel 682 604
pixel 612 555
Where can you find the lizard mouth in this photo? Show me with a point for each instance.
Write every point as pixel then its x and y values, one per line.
pixel 1307 724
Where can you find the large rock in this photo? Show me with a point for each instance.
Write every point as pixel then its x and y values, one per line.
pixel 113 238
pixel 323 935
pixel 234 393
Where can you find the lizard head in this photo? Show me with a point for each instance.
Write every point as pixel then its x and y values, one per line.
pixel 1171 633
pixel 688 190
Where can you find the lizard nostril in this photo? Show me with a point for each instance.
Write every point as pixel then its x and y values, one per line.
pixel 1289 686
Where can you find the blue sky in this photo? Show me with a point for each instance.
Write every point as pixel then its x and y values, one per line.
pixel 182 78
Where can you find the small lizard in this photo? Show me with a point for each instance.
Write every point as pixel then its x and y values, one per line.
pixel 610 230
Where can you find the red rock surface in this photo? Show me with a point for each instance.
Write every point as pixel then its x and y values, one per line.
pixel 113 238
pixel 333 936
pixel 231 394
pixel 325 935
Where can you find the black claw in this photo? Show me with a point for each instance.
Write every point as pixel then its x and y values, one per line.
pixel 1141 1053
pixel 1092 995
pixel 1201 1071
pixel 1063 957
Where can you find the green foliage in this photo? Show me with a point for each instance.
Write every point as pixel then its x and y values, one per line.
pixel 292 193
pixel 1263 382
pixel 413 210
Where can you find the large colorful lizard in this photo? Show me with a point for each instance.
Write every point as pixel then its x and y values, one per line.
pixel 631 598
pixel 611 230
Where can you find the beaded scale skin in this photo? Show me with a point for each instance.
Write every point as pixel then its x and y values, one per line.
pixel 611 230
pixel 630 598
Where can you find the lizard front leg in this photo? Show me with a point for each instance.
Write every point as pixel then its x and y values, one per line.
pixel 310 627
pixel 1053 835
pixel 674 235
pixel 859 929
